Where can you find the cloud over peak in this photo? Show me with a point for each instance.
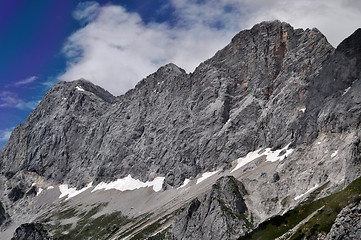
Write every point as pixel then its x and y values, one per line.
pixel 116 48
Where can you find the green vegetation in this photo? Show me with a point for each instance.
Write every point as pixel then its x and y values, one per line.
pixel 321 222
pixel 102 227
pixel 73 223
pixel 147 231
pixel 163 235
pixel 85 225
pixel 139 221
pixel 152 228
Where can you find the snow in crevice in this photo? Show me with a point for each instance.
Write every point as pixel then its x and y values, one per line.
pixel 185 183
pixel 71 192
pixel 206 175
pixel 79 89
pixel 306 193
pixel 334 153
pixel 39 191
pixel 346 90
pixel 271 156
pixel 129 183
pixel 303 110
pixel 49 188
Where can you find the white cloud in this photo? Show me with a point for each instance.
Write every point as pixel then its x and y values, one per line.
pixel 10 99
pixel 26 81
pixel 115 49
pixel 336 19
pixel 5 134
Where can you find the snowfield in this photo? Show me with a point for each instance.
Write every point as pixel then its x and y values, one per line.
pixel 271 156
pixel 129 183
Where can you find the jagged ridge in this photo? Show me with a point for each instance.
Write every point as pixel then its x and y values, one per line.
pixel 172 123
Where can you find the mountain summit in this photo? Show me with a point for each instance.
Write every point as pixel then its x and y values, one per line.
pixel 274 116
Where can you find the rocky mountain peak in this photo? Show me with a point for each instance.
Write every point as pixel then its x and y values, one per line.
pixel 83 86
pixel 274 116
pixel 167 72
pixel 351 46
pixel 174 124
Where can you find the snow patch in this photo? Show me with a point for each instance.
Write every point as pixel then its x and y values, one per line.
pixel 71 192
pixel 64 98
pixel 248 158
pixel 39 191
pixel 228 122
pixel 49 188
pixel 334 153
pixel 159 83
pixel 308 191
pixel 271 156
pixel 129 183
pixel 33 184
pixel 318 143
pixel 303 110
pixel 79 89
pixel 346 90
pixel 205 176
pixel 185 183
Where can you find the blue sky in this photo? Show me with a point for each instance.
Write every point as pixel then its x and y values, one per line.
pixel 117 43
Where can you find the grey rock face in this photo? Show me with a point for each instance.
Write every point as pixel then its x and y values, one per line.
pixel 332 105
pixel 3 215
pixel 50 141
pixel 174 124
pixel 348 224
pixel 16 193
pixel 219 214
pixel 31 231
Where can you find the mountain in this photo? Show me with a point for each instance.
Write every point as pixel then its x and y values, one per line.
pixel 271 122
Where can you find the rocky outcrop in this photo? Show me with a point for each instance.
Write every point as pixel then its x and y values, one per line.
pixel 348 224
pixel 16 193
pixel 219 214
pixel 31 231
pixel 4 217
pixel 332 105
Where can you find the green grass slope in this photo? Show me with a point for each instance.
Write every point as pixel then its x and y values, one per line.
pixel 320 223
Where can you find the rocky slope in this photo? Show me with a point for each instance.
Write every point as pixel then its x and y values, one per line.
pixel 347 224
pixel 280 103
